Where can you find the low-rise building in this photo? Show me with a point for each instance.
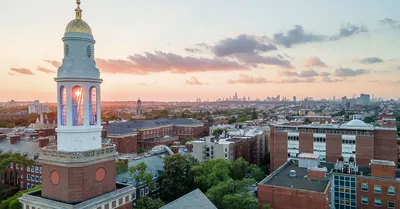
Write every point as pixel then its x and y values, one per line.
pixel 130 135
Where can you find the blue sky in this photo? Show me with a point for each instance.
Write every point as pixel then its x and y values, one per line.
pixel 33 32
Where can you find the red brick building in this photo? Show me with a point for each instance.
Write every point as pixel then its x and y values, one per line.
pixel 353 139
pixel 332 185
pixel 130 135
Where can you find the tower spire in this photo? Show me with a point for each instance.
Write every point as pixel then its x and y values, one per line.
pixel 78 11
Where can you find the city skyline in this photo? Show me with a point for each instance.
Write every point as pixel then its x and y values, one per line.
pixel 257 55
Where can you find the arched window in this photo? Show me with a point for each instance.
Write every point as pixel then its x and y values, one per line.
pixel 77 106
pixel 63 106
pixel 93 106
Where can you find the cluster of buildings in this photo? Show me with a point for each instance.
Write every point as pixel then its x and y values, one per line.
pixel 250 143
pixel 319 164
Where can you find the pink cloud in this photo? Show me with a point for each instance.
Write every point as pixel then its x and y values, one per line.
pixel 45 70
pixel 193 81
pixel 245 79
pixel 22 71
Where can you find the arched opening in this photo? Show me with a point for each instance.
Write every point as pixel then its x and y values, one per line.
pixel 93 105
pixel 77 106
pixel 63 106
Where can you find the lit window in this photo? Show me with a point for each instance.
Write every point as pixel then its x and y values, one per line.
pixel 364 200
pixel 364 187
pixel 63 105
pixel 93 106
pixel 378 189
pixel 77 106
pixel 391 191
pixel 391 204
pixel 377 202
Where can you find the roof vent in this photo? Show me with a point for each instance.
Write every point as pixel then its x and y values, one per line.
pixel 292 173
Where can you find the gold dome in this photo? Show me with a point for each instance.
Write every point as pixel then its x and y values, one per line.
pixel 78 25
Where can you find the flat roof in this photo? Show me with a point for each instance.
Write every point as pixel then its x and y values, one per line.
pixel 308 156
pixel 383 162
pixel 282 179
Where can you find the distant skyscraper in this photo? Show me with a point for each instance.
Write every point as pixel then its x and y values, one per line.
pixel 364 100
pixel 294 99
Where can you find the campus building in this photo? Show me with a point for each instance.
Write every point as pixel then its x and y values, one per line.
pixel 356 139
pixel 308 183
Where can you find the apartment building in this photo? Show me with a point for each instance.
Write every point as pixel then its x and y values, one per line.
pixel 354 139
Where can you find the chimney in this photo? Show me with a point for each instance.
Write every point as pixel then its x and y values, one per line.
pixel 43 141
pixel 316 173
pixel 175 148
pixel 104 134
pixel 189 147
pixel 14 139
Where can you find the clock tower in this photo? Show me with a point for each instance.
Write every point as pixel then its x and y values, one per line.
pixel 79 172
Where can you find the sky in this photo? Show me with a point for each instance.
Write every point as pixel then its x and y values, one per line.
pixel 180 50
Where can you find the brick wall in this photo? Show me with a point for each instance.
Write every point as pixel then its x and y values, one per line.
pixel 385 145
pixel 306 143
pixel 371 195
pixel 364 149
pixel 279 149
pixel 383 171
pixel 77 183
pixel 127 144
pixel 333 147
pixel 286 198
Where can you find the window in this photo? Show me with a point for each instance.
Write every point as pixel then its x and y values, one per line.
pixel 37 169
pixel 28 168
pixel 22 184
pixel 93 106
pixel 391 204
pixel 364 187
pixel 378 189
pixel 28 177
pixel 146 190
pixel 63 106
pixel 28 186
pixel 364 200
pixel 141 192
pixel 134 195
pixel 391 191
pixel 377 202
pixel 77 106
pixel 37 178
pixel 89 51
pixel 66 50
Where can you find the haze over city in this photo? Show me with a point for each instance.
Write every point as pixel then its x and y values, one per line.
pixel 183 50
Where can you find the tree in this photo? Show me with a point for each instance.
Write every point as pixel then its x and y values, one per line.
pixel 232 120
pixel 148 203
pixel 254 115
pixel 227 194
pixel 141 175
pixel 122 167
pixel 7 158
pixel 177 179
pixel 217 132
pixel 210 173
pixel 184 141
pixel 13 203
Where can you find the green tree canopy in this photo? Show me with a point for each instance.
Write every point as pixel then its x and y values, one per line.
pixel 13 203
pixel 122 167
pixel 218 131
pixel 211 172
pixel 139 172
pixel 177 180
pixel 232 194
pixel 148 203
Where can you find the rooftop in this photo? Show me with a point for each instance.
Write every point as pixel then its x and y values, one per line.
pixel 130 127
pixel 282 179
pixel 30 147
pixel 193 200
pixel 154 162
pixel 383 162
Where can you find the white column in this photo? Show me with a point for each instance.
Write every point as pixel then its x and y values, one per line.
pixel 69 87
pixel 98 103
pixel 86 100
